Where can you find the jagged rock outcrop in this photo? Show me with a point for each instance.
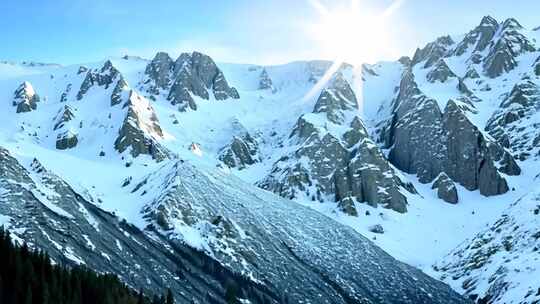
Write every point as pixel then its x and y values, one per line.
pixel 243 151
pixel 66 140
pixel 446 189
pixel 103 77
pixel 140 130
pixel 480 37
pixel 440 72
pixel 425 141
pixel 502 55
pixel 121 89
pixel 433 51
pixel 159 73
pixel 345 165
pixel 190 75
pixel 64 116
pixel 25 98
pixel 512 125
pixel 265 82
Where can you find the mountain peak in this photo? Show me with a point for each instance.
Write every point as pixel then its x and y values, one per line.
pixel 488 21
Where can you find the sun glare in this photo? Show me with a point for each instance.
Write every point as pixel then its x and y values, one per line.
pixel 352 34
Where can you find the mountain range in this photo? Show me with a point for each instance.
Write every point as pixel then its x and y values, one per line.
pixel 413 181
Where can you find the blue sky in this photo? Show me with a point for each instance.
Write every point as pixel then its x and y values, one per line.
pixel 256 31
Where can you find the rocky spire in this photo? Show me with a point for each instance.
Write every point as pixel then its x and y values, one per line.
pixel 265 82
pixel 159 72
pixel 102 77
pixel 25 98
pixel 64 115
pixel 336 99
pixel 196 74
pixel 140 129
pixel 433 51
pixel 440 72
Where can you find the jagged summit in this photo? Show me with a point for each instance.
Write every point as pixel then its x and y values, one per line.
pixel 191 75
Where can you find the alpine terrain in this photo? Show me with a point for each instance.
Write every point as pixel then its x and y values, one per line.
pixel 413 181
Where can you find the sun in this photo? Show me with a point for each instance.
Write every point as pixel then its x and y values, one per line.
pixel 350 35
pixel 353 33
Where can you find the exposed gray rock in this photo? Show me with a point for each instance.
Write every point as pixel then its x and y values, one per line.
pixel 440 72
pixel 103 77
pixel 243 151
pixel 159 73
pixel 502 55
pixel 120 89
pixel 378 228
pixel 64 115
pixel 426 142
pixel 480 37
pixel 66 140
pixel 65 94
pixel 472 73
pixel 512 124
pixel 347 168
pixel 138 133
pixel 433 51
pixel 25 98
pixel 337 101
pixel 265 82
pixel 446 189
pixel 196 74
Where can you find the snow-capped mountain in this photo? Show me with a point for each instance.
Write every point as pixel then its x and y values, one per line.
pixel 258 183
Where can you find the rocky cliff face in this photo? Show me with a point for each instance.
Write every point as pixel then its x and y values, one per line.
pixel 190 75
pixel 515 124
pixel 25 98
pixel 426 141
pixel 335 158
pixel 140 130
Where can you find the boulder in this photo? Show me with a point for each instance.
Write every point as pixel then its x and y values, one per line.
pixel 446 189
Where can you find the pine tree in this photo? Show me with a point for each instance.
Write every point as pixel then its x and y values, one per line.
pixel 170 297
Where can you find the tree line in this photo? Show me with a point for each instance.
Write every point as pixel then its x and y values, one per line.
pixel 28 277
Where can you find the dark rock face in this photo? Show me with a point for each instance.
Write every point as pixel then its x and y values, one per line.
pixel 103 77
pixel 73 230
pixel 446 189
pixel 66 140
pixel 348 167
pixel 440 72
pixel 502 56
pixel 433 51
pixel 512 125
pixel 159 70
pixel 426 142
pixel 25 98
pixel 120 89
pixel 190 75
pixel 243 151
pixel 65 115
pixel 337 101
pixel 481 36
pixel 265 82
pixel 138 133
